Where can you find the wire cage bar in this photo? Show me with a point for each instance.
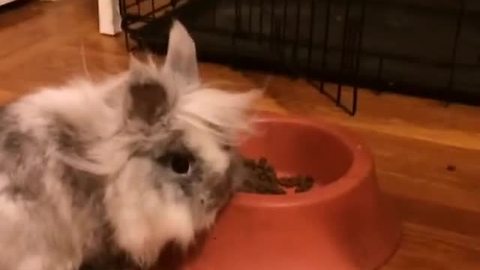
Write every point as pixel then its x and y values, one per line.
pixel 417 47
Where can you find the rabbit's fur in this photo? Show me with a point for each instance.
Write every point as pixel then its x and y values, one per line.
pixel 123 166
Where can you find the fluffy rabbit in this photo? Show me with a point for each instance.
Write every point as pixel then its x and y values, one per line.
pixel 92 170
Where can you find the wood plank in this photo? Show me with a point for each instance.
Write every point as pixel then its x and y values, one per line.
pixel 430 248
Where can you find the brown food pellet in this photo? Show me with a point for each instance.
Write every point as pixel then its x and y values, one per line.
pixel 263 179
pixel 304 184
pixel 451 168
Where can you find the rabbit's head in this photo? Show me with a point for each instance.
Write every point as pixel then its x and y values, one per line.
pixel 182 166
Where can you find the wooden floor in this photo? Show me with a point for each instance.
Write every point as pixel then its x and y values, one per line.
pixel 428 154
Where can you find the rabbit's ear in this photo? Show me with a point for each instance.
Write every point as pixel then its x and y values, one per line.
pixel 149 98
pixel 181 56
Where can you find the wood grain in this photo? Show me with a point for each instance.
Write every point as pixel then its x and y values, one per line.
pixel 427 154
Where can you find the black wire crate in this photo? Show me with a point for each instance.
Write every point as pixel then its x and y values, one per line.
pixel 420 47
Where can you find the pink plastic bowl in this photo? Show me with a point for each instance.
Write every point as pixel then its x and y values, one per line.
pixel 342 223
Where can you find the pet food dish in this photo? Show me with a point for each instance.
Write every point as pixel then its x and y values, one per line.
pixel 343 223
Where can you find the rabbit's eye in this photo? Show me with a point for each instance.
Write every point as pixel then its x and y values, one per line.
pixel 180 163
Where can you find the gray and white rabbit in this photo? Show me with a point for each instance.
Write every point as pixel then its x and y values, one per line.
pixel 122 166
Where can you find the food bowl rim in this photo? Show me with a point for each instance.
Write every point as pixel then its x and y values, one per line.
pixel 361 168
